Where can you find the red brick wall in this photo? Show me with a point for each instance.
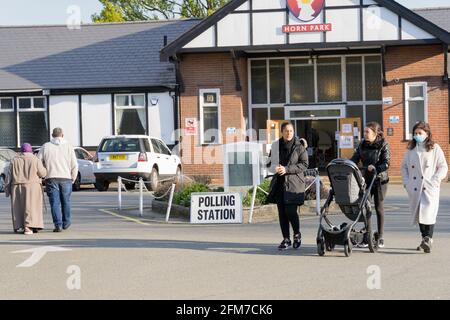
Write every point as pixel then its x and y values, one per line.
pixel 211 71
pixel 415 64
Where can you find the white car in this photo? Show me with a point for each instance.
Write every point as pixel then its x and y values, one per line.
pixel 133 157
pixel 85 168
pixel 5 158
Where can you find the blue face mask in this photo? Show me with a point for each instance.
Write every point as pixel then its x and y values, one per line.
pixel 420 139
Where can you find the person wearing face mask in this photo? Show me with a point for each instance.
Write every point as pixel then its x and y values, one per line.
pixel 423 168
pixel 289 161
pixel 374 154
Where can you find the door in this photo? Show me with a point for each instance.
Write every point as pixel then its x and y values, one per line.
pixel 119 153
pixel 86 166
pixel 161 159
pixel 170 161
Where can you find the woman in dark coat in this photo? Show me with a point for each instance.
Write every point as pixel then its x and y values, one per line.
pixel 289 161
pixel 374 153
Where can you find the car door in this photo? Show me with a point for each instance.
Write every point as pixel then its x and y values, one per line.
pixel 169 160
pixel 81 164
pixel 88 166
pixel 158 156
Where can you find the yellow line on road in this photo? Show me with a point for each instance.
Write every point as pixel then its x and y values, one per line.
pixel 124 217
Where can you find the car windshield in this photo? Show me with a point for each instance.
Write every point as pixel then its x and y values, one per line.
pixel 120 145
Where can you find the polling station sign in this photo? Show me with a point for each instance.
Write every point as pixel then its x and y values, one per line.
pixel 216 207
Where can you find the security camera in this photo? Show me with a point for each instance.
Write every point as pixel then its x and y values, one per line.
pixel 397 80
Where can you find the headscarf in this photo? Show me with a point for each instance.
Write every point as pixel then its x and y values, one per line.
pixel 25 148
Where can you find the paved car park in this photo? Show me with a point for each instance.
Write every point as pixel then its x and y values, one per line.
pixel 119 256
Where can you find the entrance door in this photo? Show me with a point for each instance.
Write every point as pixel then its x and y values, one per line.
pixel 320 135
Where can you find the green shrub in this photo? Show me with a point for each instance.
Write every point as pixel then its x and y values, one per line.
pixel 183 196
pixel 261 197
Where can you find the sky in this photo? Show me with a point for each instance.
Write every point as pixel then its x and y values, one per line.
pixel 38 12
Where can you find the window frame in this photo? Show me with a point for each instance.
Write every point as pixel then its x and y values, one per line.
pixel 12 103
pixel 217 105
pixel 408 85
pixel 32 108
pixel 129 107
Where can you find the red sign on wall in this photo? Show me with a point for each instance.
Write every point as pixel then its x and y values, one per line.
pixel 321 27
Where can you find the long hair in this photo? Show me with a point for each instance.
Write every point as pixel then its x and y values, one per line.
pixel 376 127
pixel 429 143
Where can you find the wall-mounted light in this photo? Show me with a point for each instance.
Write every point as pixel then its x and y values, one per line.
pixel 154 101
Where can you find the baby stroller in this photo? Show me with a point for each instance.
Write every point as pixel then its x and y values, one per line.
pixel 348 189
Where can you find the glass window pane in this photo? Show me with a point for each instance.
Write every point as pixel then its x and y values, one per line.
pixel 6 104
pixel 122 101
pixel 39 103
pixel 277 81
pixel 7 129
pixel 163 148
pixel 155 145
pixel 131 121
pixel 25 103
pixel 329 79
pixel 374 113
pixel 259 118
pixel 276 113
pixel 120 145
pixel 354 79
pixel 315 113
pixel 356 112
pixel 301 76
pixel 416 113
pixel 259 81
pixel 138 100
pixel 374 85
pixel 210 125
pixel 416 92
pixel 210 97
pixel 33 128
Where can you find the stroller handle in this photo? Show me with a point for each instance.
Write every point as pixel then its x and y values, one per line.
pixel 374 177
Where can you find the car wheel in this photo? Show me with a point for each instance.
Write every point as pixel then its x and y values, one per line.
pixel 102 186
pixel 2 183
pixel 77 184
pixel 154 179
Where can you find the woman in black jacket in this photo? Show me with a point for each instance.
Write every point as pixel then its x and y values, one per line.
pixel 289 161
pixel 374 153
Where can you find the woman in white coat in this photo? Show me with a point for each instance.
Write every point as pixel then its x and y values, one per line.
pixel 423 168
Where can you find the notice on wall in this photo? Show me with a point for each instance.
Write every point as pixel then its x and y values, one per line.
pixel 190 127
pixel 346 128
pixel 394 119
pixel 216 208
pixel 346 142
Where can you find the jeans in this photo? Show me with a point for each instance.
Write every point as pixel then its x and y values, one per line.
pixel 288 214
pixel 59 192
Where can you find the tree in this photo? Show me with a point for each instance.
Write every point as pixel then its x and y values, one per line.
pixel 110 13
pixel 138 10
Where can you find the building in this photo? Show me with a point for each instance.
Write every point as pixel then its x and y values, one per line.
pixel 94 81
pixel 317 63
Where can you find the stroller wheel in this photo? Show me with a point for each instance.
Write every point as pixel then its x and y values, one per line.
pixel 348 248
pixel 330 247
pixel 321 247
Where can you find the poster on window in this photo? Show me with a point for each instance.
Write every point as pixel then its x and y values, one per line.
pixel 346 142
pixel 190 127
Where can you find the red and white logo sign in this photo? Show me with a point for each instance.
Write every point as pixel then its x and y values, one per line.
pixel 306 11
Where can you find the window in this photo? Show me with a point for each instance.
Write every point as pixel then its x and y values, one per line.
pixel 7 123
pixel 373 78
pixel 277 81
pixel 120 145
pixel 329 79
pixel 259 119
pixel 259 81
pixel 354 79
pixel 301 74
pixel 374 113
pixel 163 148
pixel 130 114
pixel 155 145
pixel 33 126
pixel 416 108
pixel 210 116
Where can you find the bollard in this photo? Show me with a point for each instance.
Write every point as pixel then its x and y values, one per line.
pixel 119 182
pixel 318 194
pixel 169 205
pixel 141 197
pixel 252 205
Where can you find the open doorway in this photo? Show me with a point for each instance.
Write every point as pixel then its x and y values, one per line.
pixel 320 135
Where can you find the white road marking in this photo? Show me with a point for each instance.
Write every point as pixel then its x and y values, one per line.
pixel 37 254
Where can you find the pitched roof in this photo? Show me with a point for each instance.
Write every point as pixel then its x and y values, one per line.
pixel 95 56
pixel 171 49
pixel 439 16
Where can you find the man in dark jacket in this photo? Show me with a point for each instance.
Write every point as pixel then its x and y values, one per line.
pixel 289 161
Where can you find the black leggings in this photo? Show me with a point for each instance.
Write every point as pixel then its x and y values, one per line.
pixel 426 230
pixel 287 213
pixel 378 194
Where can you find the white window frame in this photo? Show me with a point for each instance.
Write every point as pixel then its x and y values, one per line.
pixel 32 108
pixel 203 104
pixel 129 107
pixel 7 110
pixel 408 85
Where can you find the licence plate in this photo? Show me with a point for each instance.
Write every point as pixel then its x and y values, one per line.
pixel 117 157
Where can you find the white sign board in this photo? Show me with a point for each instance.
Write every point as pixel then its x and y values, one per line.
pixel 346 142
pixel 216 208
